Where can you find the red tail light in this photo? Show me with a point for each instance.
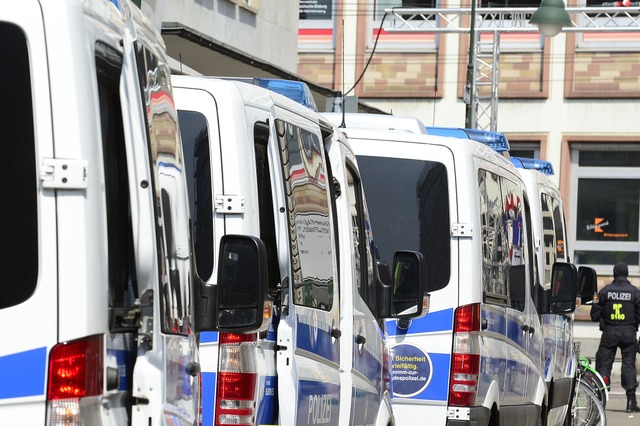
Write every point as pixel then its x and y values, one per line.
pixel 465 363
pixel 236 381
pixel 76 369
pixel 467 318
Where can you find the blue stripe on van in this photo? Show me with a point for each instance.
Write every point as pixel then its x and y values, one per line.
pixel 318 403
pixel 26 371
pixel 315 336
pixel 432 322
pixel 208 397
pixel 209 337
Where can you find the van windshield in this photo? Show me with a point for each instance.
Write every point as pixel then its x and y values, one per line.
pixel 408 201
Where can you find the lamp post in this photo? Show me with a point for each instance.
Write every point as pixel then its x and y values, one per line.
pixel 550 17
pixel 470 87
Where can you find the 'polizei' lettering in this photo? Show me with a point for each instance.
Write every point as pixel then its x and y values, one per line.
pixel 614 295
pixel 319 409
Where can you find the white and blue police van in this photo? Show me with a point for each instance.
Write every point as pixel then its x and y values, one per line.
pixel 549 232
pixel 284 253
pixel 549 229
pixel 96 296
pixel 477 357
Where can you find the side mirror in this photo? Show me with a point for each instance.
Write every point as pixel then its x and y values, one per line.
pixel 238 303
pixel 564 284
pixel 409 297
pixel 587 284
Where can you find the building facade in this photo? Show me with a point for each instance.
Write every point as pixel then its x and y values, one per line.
pixel 573 100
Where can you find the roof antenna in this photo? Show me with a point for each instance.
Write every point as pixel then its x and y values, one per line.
pixel 342 99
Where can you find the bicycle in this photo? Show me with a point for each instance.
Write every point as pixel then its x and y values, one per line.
pixel 594 379
pixel 590 395
pixel 587 409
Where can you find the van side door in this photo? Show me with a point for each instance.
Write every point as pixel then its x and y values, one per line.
pixel 308 359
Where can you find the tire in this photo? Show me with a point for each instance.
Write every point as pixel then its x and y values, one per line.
pixel 587 408
pixel 596 385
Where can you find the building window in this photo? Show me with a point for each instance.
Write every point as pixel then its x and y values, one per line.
pixel 401 41
pixel 606 193
pixel 625 15
pixel 316 30
pixel 250 5
pixel 524 149
pixel 381 5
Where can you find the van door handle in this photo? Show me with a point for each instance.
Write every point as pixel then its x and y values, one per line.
pixel 532 330
pixel 525 327
pixel 336 333
pixel 360 339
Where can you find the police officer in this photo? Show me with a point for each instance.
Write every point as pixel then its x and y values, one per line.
pixel 618 311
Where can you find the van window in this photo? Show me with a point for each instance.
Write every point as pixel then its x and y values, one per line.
pixel 409 205
pixel 549 235
pixel 309 216
pixel 361 249
pixel 122 276
pixel 503 246
pixel 19 248
pixel 172 229
pixel 558 220
pixel 195 141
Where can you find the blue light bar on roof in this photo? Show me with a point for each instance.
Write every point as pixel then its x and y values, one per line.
pixel 495 140
pixel 453 132
pixel 295 90
pixel 533 164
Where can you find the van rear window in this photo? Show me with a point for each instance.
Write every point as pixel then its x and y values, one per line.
pixel 408 203
pixel 19 248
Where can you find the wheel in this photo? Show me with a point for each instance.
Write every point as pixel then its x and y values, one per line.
pixel 597 385
pixel 587 408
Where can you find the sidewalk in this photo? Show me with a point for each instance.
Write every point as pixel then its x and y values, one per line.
pixel 617 404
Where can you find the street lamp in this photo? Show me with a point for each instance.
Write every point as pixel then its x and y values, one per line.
pixel 550 17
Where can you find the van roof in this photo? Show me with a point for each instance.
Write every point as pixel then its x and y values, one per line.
pixel 377 121
pixel 252 94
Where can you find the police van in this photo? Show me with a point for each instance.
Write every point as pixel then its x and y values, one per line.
pixel 96 293
pixel 549 229
pixel 284 253
pixel 477 357
pixel 549 232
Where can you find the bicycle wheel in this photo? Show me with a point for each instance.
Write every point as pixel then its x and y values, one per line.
pixel 596 384
pixel 587 408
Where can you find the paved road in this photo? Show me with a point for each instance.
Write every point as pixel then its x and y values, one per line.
pixel 616 414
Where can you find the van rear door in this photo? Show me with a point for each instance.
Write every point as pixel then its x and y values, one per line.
pixel 309 334
pixel 412 201
pixel 198 117
pixel 28 289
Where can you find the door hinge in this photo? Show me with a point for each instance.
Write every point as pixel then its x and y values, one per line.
pixel 64 173
pixel 462 230
pixel 229 204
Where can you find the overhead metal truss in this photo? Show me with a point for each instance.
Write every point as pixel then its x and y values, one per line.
pixel 498 21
